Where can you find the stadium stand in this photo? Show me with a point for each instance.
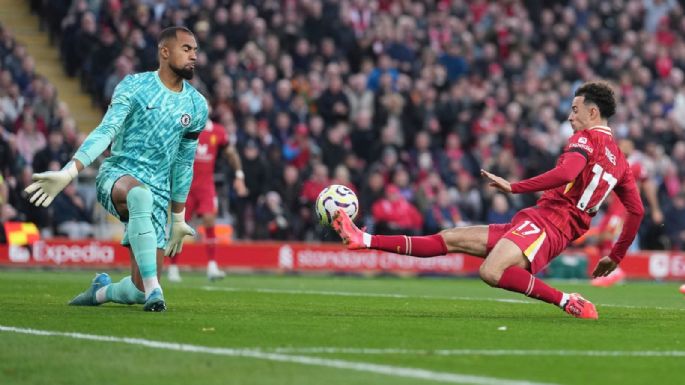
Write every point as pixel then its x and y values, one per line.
pixel 418 94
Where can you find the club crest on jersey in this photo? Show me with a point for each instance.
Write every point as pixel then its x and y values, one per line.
pixel 185 120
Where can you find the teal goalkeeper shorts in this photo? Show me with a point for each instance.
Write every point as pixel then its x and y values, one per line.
pixel 104 183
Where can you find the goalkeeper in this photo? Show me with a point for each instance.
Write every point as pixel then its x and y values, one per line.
pixel 153 124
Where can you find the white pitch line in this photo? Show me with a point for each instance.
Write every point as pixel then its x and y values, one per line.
pixel 353 294
pixel 396 371
pixel 481 352
pixel 387 295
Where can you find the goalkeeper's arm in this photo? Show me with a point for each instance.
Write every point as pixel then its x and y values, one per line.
pixel 47 185
pixel 181 177
pixel 182 169
pixel 112 123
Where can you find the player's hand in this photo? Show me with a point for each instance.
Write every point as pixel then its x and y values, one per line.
pixel 657 217
pixel 497 182
pixel 179 230
pixel 604 267
pixel 46 185
pixel 240 188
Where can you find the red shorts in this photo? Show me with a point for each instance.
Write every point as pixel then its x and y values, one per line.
pixel 201 200
pixel 539 239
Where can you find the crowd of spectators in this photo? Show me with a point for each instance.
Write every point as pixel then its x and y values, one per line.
pixel 403 101
pixel 37 133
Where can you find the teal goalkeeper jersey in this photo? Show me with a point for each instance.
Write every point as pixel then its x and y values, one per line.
pixel 153 132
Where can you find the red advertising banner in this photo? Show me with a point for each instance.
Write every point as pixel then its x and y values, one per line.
pixel 304 257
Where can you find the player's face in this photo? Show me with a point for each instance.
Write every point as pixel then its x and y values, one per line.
pixel 580 114
pixel 182 55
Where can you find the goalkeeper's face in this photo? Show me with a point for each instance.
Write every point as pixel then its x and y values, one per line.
pixel 183 55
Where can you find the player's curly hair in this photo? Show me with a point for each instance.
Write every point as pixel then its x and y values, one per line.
pixel 600 94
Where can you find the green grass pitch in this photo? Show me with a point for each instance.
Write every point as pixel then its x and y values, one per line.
pixel 267 329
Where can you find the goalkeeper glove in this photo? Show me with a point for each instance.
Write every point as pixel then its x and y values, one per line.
pixel 179 229
pixel 46 185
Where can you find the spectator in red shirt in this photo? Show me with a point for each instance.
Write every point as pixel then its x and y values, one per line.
pixel 396 215
pixel 317 182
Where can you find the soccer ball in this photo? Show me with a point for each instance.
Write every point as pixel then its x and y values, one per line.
pixel 336 197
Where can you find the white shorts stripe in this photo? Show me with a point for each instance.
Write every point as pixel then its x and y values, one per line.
pixel 530 253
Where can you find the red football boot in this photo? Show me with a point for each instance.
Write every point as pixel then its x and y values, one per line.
pixel 579 307
pixel 348 231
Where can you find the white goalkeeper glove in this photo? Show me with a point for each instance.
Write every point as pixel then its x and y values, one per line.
pixel 46 185
pixel 179 230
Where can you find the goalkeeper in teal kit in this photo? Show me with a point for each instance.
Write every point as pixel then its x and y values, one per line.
pixel 152 124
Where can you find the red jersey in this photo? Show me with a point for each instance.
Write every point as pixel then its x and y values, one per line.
pixel 571 206
pixel 211 139
pixel 615 207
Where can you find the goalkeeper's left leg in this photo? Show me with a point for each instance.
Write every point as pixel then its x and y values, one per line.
pixel 102 290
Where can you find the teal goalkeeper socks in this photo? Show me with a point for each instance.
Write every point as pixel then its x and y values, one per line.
pixel 141 233
pixel 124 292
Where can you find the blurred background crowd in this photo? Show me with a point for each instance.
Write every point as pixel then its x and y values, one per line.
pixel 403 101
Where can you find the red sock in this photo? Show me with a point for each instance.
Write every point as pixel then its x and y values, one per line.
pixel 423 247
pixel 521 281
pixel 211 242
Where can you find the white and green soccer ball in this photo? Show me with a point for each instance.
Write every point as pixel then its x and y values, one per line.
pixel 336 197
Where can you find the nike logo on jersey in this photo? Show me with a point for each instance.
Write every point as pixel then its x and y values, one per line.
pixel 610 156
pixel 144 233
pixel 151 107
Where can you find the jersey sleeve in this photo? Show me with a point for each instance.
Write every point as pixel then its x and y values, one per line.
pixel 629 195
pixel 112 123
pixel 568 167
pixel 182 170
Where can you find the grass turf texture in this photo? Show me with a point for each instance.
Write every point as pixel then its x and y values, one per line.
pixel 303 312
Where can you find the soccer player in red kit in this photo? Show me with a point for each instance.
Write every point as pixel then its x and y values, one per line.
pixel 202 198
pixel 590 167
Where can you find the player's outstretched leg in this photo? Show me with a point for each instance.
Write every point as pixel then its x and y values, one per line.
pixel 143 239
pixel 506 268
pixel 88 297
pixel 355 239
pixel 521 281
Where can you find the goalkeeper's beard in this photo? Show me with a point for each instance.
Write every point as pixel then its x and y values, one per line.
pixel 185 73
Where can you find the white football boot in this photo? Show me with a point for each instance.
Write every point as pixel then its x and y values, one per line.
pixel 213 272
pixel 173 274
